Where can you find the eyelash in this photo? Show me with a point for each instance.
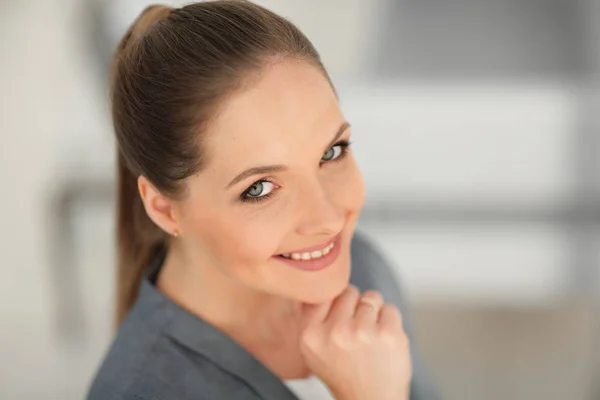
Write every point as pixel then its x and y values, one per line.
pixel 254 199
pixel 344 144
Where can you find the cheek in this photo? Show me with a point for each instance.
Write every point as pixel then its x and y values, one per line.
pixel 236 239
pixel 256 239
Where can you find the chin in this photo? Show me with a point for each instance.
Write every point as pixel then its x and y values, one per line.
pixel 325 288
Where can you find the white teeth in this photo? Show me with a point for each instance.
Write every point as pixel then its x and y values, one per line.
pixel 309 256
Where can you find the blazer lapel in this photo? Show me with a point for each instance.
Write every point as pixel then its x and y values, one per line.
pixel 203 338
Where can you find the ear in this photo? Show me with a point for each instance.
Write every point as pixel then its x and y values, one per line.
pixel 159 208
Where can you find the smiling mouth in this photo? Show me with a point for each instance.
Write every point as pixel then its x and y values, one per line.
pixel 309 255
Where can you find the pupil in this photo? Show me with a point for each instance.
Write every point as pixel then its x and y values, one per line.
pixel 256 189
pixel 328 155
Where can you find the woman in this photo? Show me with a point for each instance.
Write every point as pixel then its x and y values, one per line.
pixel 238 198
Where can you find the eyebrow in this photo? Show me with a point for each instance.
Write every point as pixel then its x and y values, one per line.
pixel 269 169
pixel 338 134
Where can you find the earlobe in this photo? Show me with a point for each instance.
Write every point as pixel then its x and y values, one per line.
pixel 158 207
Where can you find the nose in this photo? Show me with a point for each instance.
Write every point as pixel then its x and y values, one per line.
pixel 319 213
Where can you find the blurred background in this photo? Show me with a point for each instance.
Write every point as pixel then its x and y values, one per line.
pixel 476 124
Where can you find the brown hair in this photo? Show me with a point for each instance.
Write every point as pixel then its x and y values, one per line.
pixel 171 70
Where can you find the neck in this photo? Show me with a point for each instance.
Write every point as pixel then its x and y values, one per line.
pixel 245 314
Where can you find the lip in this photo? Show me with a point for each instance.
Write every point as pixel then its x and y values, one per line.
pixel 316 264
pixel 317 247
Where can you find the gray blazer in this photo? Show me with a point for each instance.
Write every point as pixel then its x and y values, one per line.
pixel 162 352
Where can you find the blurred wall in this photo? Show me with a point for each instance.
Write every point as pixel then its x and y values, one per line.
pixel 50 108
pixel 476 128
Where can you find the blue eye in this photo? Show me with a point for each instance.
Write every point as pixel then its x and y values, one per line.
pixel 260 190
pixel 332 153
pixel 264 189
pixel 336 152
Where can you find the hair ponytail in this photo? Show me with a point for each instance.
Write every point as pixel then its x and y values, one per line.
pixel 171 71
pixel 150 16
pixel 138 238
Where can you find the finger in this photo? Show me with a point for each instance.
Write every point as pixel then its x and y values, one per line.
pixel 344 305
pixel 315 313
pixel 367 310
pixel 370 299
pixel 390 317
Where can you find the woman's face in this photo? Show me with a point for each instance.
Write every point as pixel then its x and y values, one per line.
pixel 279 184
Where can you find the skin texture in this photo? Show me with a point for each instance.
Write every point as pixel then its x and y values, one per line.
pixel 224 263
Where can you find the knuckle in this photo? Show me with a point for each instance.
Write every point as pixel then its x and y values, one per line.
pixel 364 335
pixel 394 338
pixel 352 290
pixel 392 312
pixel 392 308
pixel 341 336
pixel 389 337
pixel 374 295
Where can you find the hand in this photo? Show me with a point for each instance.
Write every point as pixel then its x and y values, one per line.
pixel 356 345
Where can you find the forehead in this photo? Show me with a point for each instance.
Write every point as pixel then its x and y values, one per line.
pixel 290 105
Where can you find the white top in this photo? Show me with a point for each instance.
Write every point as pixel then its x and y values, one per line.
pixel 310 388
